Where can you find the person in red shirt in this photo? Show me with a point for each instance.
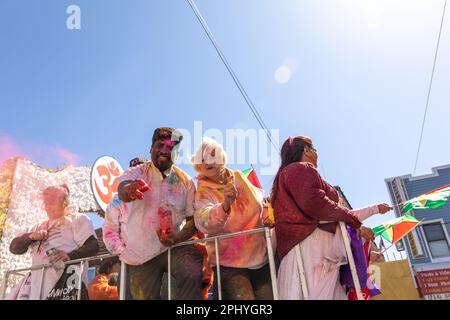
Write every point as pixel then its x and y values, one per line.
pixel 307 213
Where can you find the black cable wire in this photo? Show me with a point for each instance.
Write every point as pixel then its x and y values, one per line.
pixel 236 80
pixel 429 92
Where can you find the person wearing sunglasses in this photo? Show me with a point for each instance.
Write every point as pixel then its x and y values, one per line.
pixel 307 212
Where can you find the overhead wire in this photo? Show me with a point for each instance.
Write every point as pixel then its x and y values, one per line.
pixel 235 78
pixel 429 93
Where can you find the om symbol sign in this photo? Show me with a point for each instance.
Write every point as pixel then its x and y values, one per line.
pixel 105 180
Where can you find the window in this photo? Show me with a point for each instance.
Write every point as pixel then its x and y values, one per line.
pixel 437 242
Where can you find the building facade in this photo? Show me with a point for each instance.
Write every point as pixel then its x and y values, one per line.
pixel 428 246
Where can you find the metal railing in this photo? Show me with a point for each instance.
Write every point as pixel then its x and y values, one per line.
pixel 216 244
pixel 216 240
pixel 123 269
pixel 42 268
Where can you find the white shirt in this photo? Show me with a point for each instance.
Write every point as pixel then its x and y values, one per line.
pixel 136 240
pixel 67 234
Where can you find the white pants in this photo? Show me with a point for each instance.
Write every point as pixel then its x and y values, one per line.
pixel 323 253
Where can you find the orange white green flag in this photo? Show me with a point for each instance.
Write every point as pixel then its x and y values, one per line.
pixel 395 229
pixel 431 200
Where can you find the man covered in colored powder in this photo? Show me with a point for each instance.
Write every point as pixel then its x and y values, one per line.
pixel 160 200
pixel 226 202
pixel 114 227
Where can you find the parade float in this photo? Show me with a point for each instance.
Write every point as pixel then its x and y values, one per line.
pixel 21 205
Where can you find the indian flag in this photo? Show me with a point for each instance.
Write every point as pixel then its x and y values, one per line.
pixel 432 200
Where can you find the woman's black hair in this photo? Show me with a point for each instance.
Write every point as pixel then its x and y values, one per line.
pixel 291 151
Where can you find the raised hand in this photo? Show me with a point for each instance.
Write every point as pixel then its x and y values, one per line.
pixel 230 194
pixel 366 233
pixel 38 235
pixel 383 208
pixel 268 220
pixel 135 190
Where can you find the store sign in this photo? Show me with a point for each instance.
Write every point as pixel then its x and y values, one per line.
pixel 435 284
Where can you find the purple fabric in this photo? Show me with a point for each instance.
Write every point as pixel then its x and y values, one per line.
pixel 361 266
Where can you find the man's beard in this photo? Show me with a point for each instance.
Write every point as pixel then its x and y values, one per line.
pixel 162 165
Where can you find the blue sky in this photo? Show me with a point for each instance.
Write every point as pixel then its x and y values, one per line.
pixel 358 86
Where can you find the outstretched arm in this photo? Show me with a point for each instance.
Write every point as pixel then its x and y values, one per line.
pixel 366 212
pixel 130 190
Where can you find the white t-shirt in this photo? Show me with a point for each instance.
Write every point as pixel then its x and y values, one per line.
pixel 67 234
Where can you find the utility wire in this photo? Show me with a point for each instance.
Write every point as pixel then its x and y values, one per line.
pixel 429 92
pixel 239 85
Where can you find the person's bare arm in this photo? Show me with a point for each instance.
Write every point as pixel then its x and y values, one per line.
pixel 20 244
pixel 88 249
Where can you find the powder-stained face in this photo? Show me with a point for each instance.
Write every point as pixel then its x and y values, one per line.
pixel 161 153
pixel 55 201
pixel 210 167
